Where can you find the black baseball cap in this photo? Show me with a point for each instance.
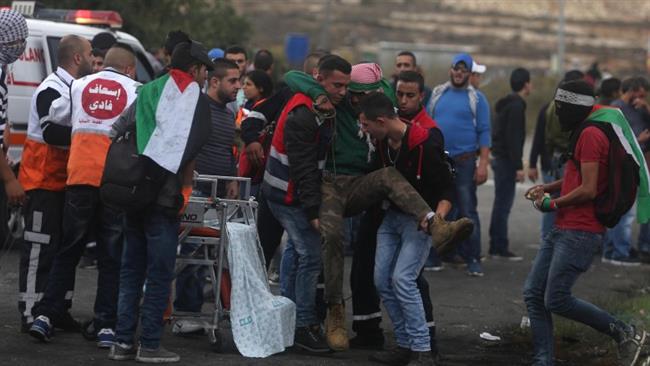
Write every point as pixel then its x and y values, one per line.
pixel 187 53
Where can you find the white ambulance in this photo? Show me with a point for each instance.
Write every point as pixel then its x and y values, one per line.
pixel 46 28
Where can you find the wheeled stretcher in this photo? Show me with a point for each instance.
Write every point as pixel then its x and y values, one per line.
pixel 203 230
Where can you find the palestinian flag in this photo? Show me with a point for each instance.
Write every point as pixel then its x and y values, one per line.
pixel 626 136
pixel 172 120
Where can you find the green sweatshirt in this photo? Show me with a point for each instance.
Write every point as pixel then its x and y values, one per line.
pixel 349 153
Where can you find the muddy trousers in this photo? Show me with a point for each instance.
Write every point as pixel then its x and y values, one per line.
pixel 43 215
pixel 345 196
pixel 366 313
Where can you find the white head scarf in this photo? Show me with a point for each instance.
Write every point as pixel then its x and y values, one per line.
pixel 13 33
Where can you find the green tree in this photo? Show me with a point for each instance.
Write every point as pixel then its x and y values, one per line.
pixel 211 22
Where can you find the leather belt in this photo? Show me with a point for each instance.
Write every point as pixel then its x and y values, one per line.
pixel 465 156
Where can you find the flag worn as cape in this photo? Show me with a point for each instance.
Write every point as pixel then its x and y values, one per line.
pixel 626 136
pixel 172 120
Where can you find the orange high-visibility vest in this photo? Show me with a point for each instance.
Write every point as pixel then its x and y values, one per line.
pixel 43 166
pixel 97 102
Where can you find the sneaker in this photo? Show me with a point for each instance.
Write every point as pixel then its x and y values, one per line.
pixel 629 347
pixel 337 336
pixel 159 355
pixel 41 329
pixel 508 255
pixel 368 340
pixel 67 323
pixel 625 262
pixel 105 338
pixel 274 278
pixel 421 359
pixel 474 269
pixel 445 236
pixel 122 352
pixel 187 327
pixel 434 268
pixel 87 263
pixel 310 339
pixel 606 258
pixel 398 356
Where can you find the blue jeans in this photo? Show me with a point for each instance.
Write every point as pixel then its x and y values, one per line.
pixel 149 255
pixel 548 219
pixel 306 243
pixel 288 267
pixel 644 237
pixel 562 258
pixel 401 252
pixel 618 240
pixel 83 212
pixel 505 175
pixel 464 205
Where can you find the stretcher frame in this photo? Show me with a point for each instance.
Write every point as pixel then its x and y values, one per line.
pixel 212 241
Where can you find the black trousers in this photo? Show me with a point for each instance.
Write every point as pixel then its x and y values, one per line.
pixel 268 229
pixel 43 214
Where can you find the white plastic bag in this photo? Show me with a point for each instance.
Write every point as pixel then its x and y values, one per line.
pixel 262 323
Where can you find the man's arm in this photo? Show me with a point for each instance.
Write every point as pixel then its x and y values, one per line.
pixel 587 190
pixel 53 133
pixel 517 133
pixel 301 141
pixel 483 132
pixel 538 144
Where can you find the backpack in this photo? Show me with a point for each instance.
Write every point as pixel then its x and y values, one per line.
pixel 555 139
pixel 622 177
pixel 130 181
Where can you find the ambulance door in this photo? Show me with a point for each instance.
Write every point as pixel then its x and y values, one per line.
pixel 23 77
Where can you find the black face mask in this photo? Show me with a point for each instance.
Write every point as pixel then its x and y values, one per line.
pixel 571 115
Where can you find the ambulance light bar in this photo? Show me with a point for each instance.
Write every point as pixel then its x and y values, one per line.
pixel 102 18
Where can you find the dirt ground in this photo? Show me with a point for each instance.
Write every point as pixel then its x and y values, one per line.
pixel 463 307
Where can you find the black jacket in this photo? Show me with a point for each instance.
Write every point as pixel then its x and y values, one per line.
pixel 538 149
pixel 263 115
pixel 421 160
pixel 509 129
pixel 306 141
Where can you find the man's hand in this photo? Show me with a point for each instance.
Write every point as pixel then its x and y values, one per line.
pixel 521 177
pixel 232 190
pixel 255 153
pixel 533 175
pixel 640 103
pixel 315 223
pixel 15 192
pixel 481 174
pixel 324 104
pixel 535 192
pixel 644 136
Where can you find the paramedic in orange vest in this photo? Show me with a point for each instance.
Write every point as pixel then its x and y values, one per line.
pixel 43 174
pixel 97 101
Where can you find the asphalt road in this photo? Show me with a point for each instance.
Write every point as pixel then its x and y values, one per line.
pixel 463 306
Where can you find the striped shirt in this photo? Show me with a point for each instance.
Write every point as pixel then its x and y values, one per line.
pixel 216 156
pixel 3 101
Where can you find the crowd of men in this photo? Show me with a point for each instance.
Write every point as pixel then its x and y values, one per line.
pixel 335 147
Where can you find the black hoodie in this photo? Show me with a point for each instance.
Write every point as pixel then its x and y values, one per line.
pixel 509 129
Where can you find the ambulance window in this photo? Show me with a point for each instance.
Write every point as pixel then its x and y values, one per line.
pixel 53 47
pixel 143 71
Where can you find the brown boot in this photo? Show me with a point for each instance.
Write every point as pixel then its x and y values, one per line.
pixel 447 235
pixel 337 336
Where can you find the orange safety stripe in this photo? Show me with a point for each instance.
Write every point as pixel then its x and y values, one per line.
pixel 15 138
pixel 87 158
pixel 43 166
